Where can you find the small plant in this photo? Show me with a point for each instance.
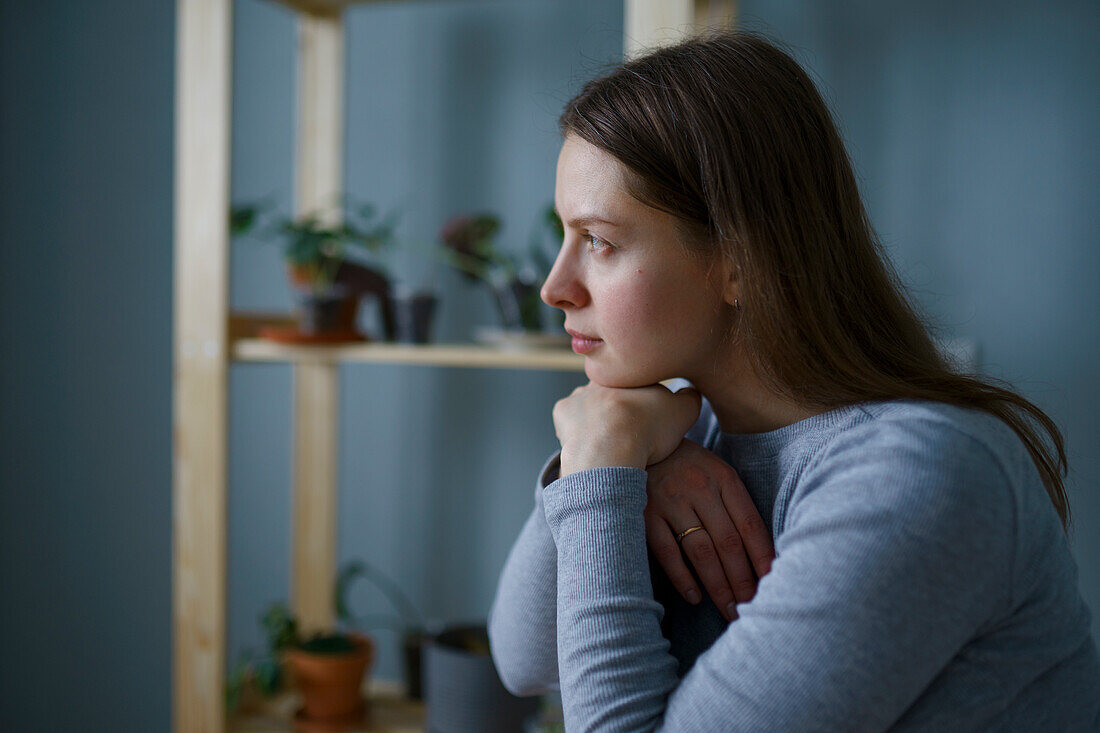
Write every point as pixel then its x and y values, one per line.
pixel 469 246
pixel 314 251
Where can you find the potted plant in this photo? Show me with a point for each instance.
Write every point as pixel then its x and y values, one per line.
pixel 327 668
pixel 469 245
pixel 322 265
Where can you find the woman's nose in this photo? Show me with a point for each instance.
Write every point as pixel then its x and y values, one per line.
pixel 563 288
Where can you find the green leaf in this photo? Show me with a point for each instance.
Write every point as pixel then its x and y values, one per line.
pixel 238 676
pixel 390 589
pixel 241 219
pixel 281 627
pixel 269 676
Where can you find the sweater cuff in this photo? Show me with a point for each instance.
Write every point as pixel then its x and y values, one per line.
pixel 605 490
pixel 550 470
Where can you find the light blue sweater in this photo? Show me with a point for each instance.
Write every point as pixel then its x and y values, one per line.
pixel 922 581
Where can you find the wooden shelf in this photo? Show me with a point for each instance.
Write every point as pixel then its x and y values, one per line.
pixel 450 355
pixel 208 336
pixel 388 712
pixel 245 346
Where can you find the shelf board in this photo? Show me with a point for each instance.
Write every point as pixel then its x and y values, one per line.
pixel 388 712
pixel 450 355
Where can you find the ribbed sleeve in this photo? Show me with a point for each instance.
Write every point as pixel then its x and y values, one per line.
pixel 523 615
pixel 609 642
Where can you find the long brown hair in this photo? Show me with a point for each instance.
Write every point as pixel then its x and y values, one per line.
pixel 727 133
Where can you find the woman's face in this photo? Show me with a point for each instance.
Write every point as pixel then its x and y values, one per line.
pixel 639 307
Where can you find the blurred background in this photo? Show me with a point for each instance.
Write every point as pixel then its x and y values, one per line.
pixel 971 125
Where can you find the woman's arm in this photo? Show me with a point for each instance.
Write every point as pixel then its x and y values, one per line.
pixel 522 623
pixel 897 548
pixel 523 617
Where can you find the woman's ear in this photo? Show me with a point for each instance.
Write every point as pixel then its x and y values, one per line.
pixel 731 282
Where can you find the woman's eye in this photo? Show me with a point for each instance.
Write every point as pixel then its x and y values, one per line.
pixel 596 244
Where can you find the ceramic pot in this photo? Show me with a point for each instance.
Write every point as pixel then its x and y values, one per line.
pixel 331 685
pixel 413 644
pixel 412 317
pixel 464 694
pixel 519 305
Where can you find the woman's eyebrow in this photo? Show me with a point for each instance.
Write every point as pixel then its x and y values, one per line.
pixel 586 219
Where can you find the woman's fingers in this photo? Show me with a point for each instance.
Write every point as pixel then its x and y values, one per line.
pixel 700 550
pixel 693 487
pixel 663 545
pixel 751 530
pixel 731 578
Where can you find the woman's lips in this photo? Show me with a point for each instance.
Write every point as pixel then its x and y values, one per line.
pixel 582 343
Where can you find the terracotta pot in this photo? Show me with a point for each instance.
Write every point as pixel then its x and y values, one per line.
pixel 331 685
pixel 301 276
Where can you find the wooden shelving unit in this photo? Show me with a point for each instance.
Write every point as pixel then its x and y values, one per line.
pixel 207 338
pixel 447 355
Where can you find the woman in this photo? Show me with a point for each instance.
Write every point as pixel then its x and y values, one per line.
pixel 921 575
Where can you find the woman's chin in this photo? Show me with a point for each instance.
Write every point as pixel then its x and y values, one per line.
pixel 616 379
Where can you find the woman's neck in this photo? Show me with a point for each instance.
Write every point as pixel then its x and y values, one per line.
pixel 743 405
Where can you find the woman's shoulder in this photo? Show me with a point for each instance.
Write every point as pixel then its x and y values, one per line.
pixel 932 425
pixel 927 456
pixel 925 481
pixel 962 443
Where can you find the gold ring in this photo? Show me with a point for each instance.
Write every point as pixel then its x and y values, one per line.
pixel 680 537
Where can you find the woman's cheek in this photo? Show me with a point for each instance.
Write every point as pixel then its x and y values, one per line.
pixel 637 320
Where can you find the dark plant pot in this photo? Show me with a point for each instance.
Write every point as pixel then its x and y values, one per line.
pixel 331 685
pixel 463 691
pixel 519 305
pixel 413 644
pixel 331 312
pixel 412 318
pixel 367 282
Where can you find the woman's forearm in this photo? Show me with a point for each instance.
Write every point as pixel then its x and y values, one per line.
pixel 523 617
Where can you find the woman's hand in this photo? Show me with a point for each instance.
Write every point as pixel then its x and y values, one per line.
pixel 606 426
pixel 692 487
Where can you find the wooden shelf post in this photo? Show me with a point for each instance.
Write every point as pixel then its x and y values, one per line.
pixel 319 175
pixel 651 23
pixel 201 358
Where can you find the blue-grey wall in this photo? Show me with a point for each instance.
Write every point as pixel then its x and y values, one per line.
pixel 968 122
pixel 85 374
pixel 973 127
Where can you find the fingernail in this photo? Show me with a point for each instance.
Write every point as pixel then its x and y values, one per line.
pixel 693 596
pixel 731 611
